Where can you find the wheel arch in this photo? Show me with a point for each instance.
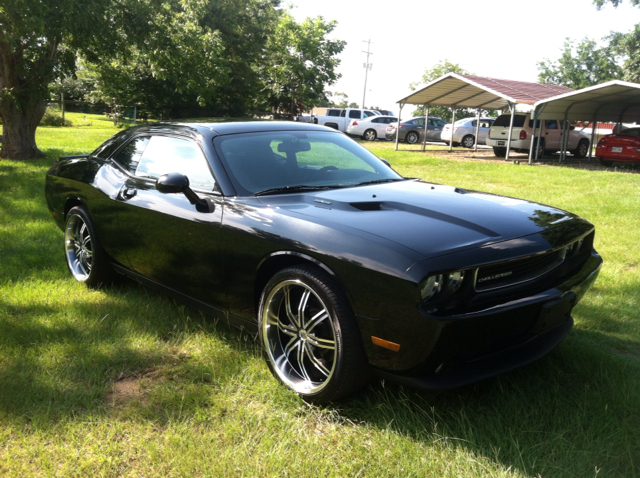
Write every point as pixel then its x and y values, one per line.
pixel 72 202
pixel 276 261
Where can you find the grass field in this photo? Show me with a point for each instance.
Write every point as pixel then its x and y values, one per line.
pixel 125 382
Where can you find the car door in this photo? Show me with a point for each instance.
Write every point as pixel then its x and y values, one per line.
pixel 552 135
pixel 434 131
pixel 166 239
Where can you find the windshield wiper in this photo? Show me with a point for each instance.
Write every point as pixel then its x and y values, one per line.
pixel 379 181
pixel 293 189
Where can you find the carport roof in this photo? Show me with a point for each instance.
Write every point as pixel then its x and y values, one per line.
pixel 468 91
pixel 616 101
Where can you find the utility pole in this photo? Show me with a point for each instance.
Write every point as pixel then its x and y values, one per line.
pixel 367 66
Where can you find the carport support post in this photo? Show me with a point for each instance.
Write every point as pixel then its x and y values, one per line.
pixel 565 139
pixel 534 143
pixel 453 121
pixel 513 114
pixel 398 128
pixel 426 126
pixel 475 146
pixel 594 127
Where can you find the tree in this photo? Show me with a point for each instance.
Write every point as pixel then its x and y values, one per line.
pixel 169 34
pixel 601 3
pixel 299 63
pixel 581 65
pixel 430 74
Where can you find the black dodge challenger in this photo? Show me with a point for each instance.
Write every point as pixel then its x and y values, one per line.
pixel 343 267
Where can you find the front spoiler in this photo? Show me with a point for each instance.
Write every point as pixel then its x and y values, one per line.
pixel 487 366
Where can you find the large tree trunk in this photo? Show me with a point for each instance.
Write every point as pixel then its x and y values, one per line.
pixel 19 129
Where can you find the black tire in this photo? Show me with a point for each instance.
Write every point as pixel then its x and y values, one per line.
pixel 370 135
pixel 539 143
pixel 320 357
pixel 605 162
pixel 86 260
pixel 412 137
pixel 456 144
pixel 499 152
pixel 582 149
pixel 468 141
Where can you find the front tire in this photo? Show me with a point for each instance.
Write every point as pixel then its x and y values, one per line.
pixel 411 137
pixel 468 141
pixel 369 135
pixel 309 336
pixel 86 259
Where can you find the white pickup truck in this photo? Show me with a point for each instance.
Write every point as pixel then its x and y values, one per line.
pixel 522 133
pixel 340 118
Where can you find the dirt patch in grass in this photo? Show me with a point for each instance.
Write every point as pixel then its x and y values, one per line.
pixel 130 388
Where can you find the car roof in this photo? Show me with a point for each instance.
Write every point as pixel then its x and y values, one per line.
pixel 230 127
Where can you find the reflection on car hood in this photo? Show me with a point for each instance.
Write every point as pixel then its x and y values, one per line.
pixel 428 218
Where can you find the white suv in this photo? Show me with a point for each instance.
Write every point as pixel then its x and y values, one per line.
pixel 522 133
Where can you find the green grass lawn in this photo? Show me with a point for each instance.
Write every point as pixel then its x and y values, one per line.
pixel 126 382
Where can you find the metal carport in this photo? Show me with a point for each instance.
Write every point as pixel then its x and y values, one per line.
pixel 477 92
pixel 615 101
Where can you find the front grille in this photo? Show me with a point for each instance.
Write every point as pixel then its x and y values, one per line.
pixel 513 272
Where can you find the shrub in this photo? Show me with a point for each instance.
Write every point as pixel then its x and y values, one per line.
pixel 53 118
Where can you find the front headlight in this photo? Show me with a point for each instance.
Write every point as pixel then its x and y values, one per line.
pixel 455 281
pixel 445 284
pixel 431 286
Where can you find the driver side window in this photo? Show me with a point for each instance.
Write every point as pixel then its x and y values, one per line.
pixel 166 154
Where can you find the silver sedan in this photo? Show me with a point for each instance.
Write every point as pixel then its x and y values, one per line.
pixel 464 131
pixel 412 131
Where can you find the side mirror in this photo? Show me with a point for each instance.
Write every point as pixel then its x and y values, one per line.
pixel 174 183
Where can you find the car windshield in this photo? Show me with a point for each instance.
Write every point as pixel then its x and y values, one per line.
pixel 297 160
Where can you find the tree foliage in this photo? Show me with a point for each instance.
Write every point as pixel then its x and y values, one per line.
pixel 601 3
pixel 581 65
pixel 299 63
pixel 430 74
pixel 169 34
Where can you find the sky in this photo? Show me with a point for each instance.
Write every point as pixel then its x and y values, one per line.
pixel 410 36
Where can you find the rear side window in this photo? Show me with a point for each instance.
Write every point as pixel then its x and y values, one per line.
pixel 505 121
pixel 354 114
pixel 129 156
pixel 333 113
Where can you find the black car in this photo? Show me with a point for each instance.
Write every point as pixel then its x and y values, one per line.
pixel 342 266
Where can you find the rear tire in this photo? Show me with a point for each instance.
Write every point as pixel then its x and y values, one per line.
pixel 582 150
pixel 86 259
pixel 499 152
pixel 309 337
pixel 370 135
pixel 468 141
pixel 411 137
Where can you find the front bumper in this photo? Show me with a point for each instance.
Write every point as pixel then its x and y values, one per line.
pixel 475 346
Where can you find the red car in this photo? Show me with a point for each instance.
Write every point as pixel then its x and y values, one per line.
pixel 622 146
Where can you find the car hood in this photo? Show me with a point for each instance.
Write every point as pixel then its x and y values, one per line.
pixel 429 218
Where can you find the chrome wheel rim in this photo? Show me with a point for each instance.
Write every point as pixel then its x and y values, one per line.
pixel 468 142
pixel 369 135
pixel 299 337
pixel 78 247
pixel 412 138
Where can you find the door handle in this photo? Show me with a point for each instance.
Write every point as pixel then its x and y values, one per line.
pixel 128 193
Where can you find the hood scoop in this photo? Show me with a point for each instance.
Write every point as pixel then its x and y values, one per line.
pixel 367 206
